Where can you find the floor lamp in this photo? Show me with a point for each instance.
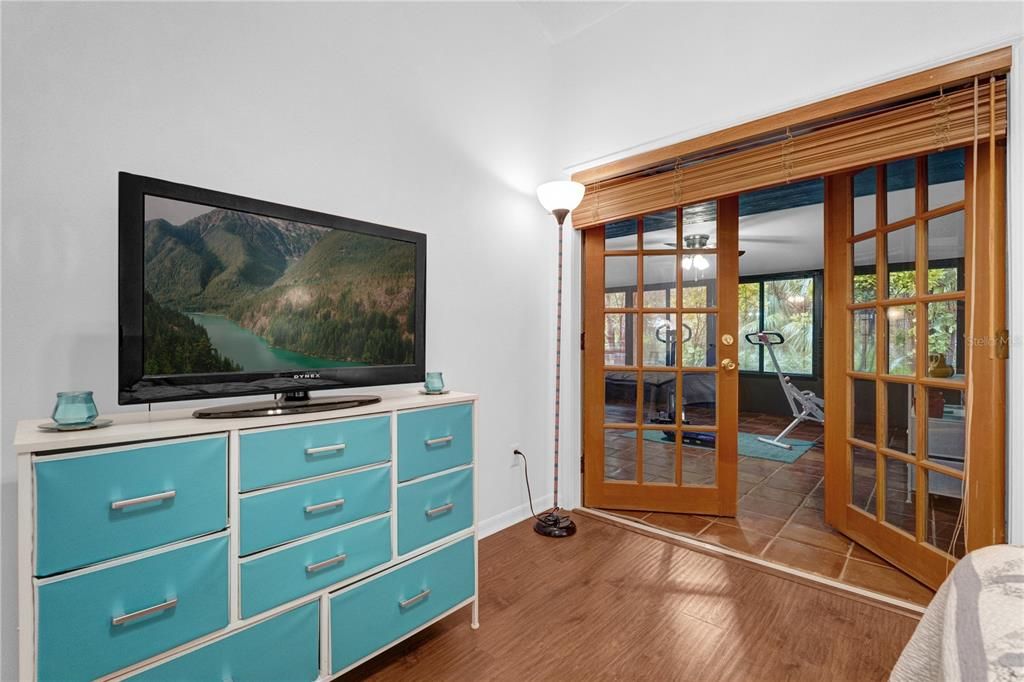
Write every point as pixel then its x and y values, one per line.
pixel 558 198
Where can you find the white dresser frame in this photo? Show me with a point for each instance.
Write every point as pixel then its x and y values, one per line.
pixel 134 428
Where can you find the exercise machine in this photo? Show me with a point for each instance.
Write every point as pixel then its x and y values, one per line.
pixel 665 332
pixel 806 406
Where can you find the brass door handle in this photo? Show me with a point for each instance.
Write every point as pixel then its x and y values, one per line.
pixel 728 364
pixel 728 340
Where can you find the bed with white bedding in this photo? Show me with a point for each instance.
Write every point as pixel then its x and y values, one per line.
pixel 974 627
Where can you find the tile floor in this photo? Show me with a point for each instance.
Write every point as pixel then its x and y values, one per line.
pixel 780 518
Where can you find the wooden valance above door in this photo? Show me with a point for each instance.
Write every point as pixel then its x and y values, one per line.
pixel 913 115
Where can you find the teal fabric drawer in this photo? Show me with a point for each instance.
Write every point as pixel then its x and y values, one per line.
pixel 434 440
pixel 76 633
pixel 300 569
pixel 275 517
pixel 77 524
pixel 431 509
pixel 370 616
pixel 282 649
pixel 297 452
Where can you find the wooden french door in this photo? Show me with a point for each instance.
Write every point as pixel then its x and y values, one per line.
pixel 660 361
pixel 915 373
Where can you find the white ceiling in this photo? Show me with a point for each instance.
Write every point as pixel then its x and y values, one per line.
pixel 560 21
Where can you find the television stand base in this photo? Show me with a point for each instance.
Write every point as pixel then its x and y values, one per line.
pixel 289 404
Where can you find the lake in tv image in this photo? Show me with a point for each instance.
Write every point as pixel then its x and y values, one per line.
pixel 230 291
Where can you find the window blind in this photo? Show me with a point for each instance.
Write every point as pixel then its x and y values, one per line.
pixel 932 123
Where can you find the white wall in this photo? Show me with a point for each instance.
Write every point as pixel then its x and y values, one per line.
pixel 656 73
pixel 427 117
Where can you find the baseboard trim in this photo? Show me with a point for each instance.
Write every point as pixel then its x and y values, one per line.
pixel 812 579
pixel 510 517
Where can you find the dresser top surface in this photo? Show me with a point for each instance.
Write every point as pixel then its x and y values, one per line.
pixel 173 423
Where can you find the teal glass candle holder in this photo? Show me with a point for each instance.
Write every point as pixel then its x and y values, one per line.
pixel 74 407
pixel 434 382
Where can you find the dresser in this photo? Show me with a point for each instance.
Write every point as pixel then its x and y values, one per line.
pixel 273 548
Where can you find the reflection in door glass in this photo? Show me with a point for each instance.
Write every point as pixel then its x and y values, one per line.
pixel 899 425
pixel 863 399
pixel 862 479
pixel 946 253
pixel 900 181
pixel 661 340
pixel 621 235
pixel 619 281
pixel 864 217
pixel 698 294
pixel 864 340
pixel 696 340
pixel 659 281
pixel 700 461
pixel 945 178
pixel 865 274
pixel 659 399
pixel 659 456
pixel 699 398
pixel 946 426
pixel 619 339
pixel 945 498
pixel 660 230
pixel 902 333
pixel 620 397
pixel 619 455
pixel 900 500
pixel 945 337
pixel 700 278
pixel 901 248
pixel 700 221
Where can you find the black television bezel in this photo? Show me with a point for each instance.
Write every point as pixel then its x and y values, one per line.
pixel 132 190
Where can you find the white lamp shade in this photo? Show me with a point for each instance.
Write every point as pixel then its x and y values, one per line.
pixel 560 194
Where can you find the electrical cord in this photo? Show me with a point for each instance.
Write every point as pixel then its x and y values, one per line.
pixel 548 518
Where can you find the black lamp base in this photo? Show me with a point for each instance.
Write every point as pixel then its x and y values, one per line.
pixel 553 525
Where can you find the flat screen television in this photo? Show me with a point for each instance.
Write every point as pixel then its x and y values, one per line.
pixel 223 296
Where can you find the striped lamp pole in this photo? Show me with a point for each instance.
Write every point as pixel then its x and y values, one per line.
pixel 559 198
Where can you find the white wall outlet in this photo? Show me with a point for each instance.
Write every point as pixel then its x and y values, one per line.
pixel 516 459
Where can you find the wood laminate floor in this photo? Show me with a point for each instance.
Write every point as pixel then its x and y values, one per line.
pixel 780 518
pixel 613 604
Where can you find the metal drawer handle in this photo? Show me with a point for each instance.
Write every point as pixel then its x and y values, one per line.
pixel 313 568
pixel 129 617
pixel 325 448
pixel 414 600
pixel 156 497
pixel 443 509
pixel 330 504
pixel 438 441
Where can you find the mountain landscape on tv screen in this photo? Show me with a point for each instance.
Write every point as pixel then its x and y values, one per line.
pixel 229 291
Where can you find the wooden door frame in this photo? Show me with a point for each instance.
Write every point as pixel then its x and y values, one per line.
pixel 720 499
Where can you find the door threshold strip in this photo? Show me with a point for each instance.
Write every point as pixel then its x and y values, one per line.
pixel 874 598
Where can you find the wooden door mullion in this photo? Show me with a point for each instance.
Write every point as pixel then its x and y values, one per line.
pixel 921 349
pixel 641 360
